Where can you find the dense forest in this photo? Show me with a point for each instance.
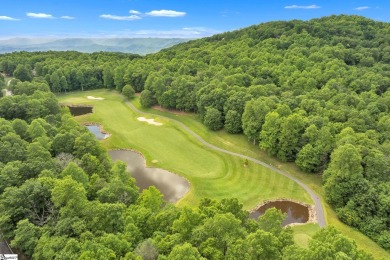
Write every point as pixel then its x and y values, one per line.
pixel 61 197
pixel 312 92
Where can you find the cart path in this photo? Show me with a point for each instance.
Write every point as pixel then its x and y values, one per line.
pixel 317 200
pixel 8 92
pixel 4 247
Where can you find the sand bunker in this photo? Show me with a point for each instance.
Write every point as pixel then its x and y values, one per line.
pixel 149 121
pixel 95 98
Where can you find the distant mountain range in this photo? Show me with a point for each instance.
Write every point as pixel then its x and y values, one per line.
pixel 129 45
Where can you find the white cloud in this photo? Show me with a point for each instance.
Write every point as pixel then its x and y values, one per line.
pixel 302 7
pixel 361 8
pixel 199 29
pixel 136 15
pixel 67 17
pixel 188 32
pixel 120 18
pixel 40 15
pixel 134 12
pixel 166 13
pixel 7 18
pixel 180 33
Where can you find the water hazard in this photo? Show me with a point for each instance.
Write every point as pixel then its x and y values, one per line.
pixel 95 129
pixel 172 186
pixel 296 213
pixel 80 110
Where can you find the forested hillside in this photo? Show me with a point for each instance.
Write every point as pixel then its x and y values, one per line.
pixel 312 92
pixel 61 197
pixel 316 93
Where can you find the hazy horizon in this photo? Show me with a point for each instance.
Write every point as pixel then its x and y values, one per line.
pixel 163 19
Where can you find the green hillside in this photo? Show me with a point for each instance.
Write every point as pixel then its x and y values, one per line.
pixel 314 93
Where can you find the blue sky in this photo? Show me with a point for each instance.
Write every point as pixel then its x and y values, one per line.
pixel 164 18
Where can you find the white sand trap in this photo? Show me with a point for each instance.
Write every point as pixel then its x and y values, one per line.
pixel 149 121
pixel 95 98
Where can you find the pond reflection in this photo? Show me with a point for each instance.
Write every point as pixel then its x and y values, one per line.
pixel 172 186
pixel 296 213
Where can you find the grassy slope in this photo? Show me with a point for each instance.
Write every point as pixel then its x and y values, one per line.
pixel 212 174
pixel 303 233
pixel 239 143
pixel 131 134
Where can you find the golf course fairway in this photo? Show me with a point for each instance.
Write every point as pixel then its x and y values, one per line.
pixel 211 173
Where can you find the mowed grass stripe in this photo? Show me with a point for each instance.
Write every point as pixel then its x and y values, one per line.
pixel 255 179
pixel 211 174
pixel 240 144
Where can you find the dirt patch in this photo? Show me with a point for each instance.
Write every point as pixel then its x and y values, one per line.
pixel 95 98
pixel 149 121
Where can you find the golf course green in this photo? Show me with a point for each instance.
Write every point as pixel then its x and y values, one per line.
pixel 211 174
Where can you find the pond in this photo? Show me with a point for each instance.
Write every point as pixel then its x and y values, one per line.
pixel 80 110
pixel 95 129
pixel 172 186
pixel 296 213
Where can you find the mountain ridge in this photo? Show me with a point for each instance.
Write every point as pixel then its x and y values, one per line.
pixel 140 46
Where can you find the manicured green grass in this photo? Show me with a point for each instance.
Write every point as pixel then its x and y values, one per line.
pixel 303 233
pixel 211 174
pixel 239 143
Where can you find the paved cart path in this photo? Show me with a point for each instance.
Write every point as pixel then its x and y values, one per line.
pixel 319 208
pixel 4 247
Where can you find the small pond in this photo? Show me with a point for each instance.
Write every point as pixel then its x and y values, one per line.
pixel 296 213
pixel 80 110
pixel 172 186
pixel 95 129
